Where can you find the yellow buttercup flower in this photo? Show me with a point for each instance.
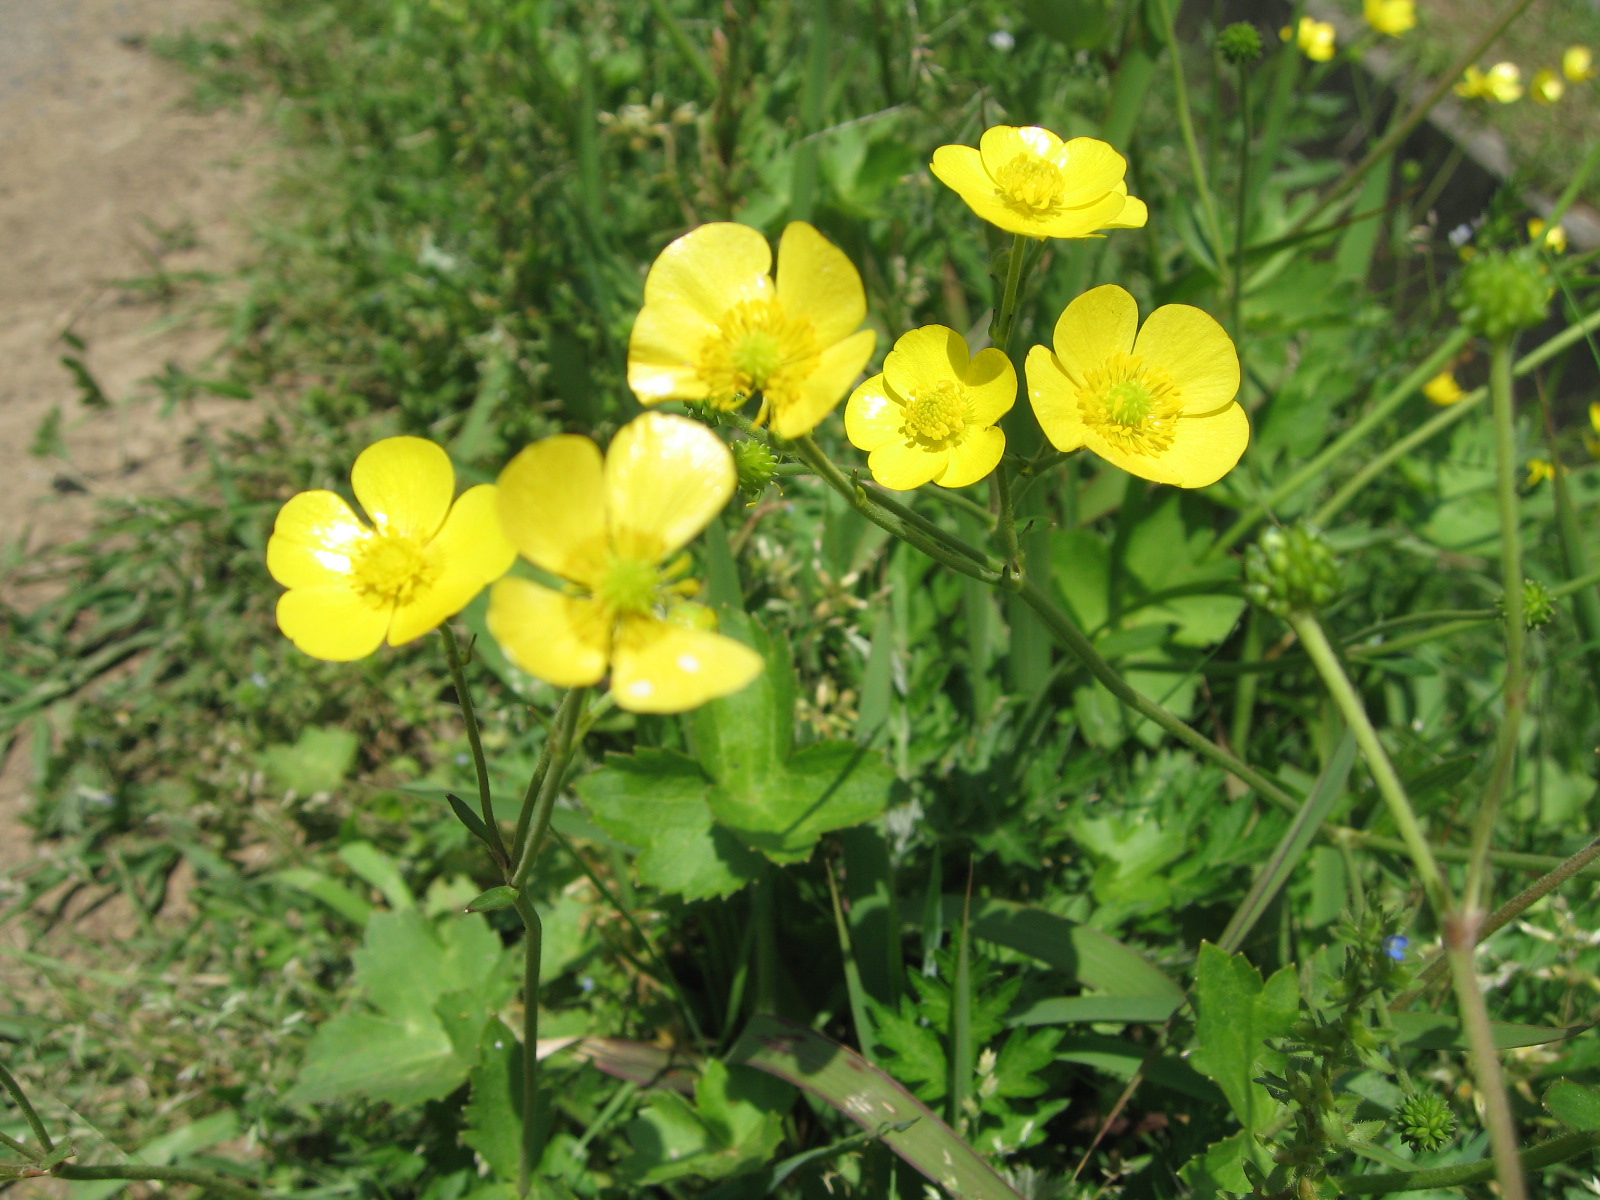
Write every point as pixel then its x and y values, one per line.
pixel 1591 439
pixel 608 527
pixel 716 327
pixel 1501 83
pixel 1157 401
pixel 422 560
pixel 1316 39
pixel 1577 64
pixel 1027 180
pixel 1555 241
pixel 1546 86
pixel 1539 470
pixel 1392 17
pixel 930 416
pixel 1443 389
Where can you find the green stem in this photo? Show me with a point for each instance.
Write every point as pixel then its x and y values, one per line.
pixel 1400 130
pixel 1005 317
pixel 1512 860
pixel 541 770
pixel 532 953
pixel 1460 937
pixel 1309 631
pixel 1242 213
pixel 458 676
pixel 1006 529
pixel 208 1180
pixel 1197 167
pixel 1317 467
pixel 1505 756
pixel 1507 912
pixel 566 744
pixel 1545 1154
pixel 20 1099
pixel 1072 638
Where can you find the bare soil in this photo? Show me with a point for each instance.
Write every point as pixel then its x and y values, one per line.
pixel 106 176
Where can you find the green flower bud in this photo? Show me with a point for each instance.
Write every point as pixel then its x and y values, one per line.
pixel 1538 606
pixel 1240 43
pixel 755 464
pixel 1291 570
pixel 1425 1121
pixel 1500 294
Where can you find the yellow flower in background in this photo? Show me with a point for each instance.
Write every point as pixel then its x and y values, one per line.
pixel 422 560
pixel 930 416
pixel 1539 470
pixel 1316 39
pixel 1443 389
pixel 1501 82
pixel 608 527
pixel 1546 86
pixel 1577 64
pixel 1157 402
pixel 1555 241
pixel 1591 439
pixel 1392 17
pixel 1027 180
pixel 716 327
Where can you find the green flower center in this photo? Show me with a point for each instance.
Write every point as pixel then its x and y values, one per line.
pixel 1030 184
pixel 757 347
pixel 629 588
pixel 937 415
pixel 1133 406
pixel 394 569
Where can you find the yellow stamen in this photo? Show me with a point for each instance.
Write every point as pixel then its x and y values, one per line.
pixel 758 347
pixel 394 568
pixel 939 414
pixel 1130 405
pixel 1030 185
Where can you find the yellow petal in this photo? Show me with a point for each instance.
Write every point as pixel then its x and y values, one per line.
pixel 1097 325
pixel 666 477
pixel 662 353
pixel 553 506
pixel 1091 168
pixel 838 367
pixel 991 386
pixel 1203 450
pixel 710 269
pixel 925 358
pixel 1055 400
pixel 334 622
pixel 960 168
pixel 314 541
pixel 561 639
pixel 471 552
pixel 663 668
pixel 972 458
pixel 405 484
pixel 905 465
pixel 1134 215
pixel 1085 221
pixel 872 417
pixel 1195 351
pixel 818 282
pixel 1000 144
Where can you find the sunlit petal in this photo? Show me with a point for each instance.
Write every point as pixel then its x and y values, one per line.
pixel 818 282
pixel 872 417
pixel 405 484
pixel 470 553
pixel 667 668
pixel 903 466
pixel 1191 347
pixel 925 358
pixel 1097 325
pixel 972 458
pixel 991 386
pixel 666 477
pixel 663 351
pixel 334 622
pixel 710 269
pixel 837 369
pixel 314 541
pixel 561 639
pixel 1055 400
pixel 553 506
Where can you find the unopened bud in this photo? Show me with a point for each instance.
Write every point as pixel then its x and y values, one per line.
pixel 1500 294
pixel 1538 606
pixel 1425 1121
pixel 1240 43
pixel 1291 570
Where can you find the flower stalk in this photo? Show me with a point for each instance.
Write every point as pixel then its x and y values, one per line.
pixel 458 676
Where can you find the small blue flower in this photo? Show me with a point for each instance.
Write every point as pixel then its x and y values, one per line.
pixel 1395 946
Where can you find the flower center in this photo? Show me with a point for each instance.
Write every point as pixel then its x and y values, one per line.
pixel 629 587
pixel 757 347
pixel 939 414
pixel 1030 184
pixel 394 568
pixel 1130 405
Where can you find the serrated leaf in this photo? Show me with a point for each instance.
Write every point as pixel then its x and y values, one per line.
pixel 831 785
pixel 656 801
pixel 1236 1012
pixel 494 1112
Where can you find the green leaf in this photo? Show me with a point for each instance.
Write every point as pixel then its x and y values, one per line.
pixel 742 738
pixel 330 891
pixel 828 786
pixel 656 801
pixel 163 1151
pixel 1433 1031
pixel 317 762
pixel 494 1113
pixel 378 869
pixel 1235 1013
pixel 494 898
pixel 734 1125
pixel 1574 1105
pixel 858 1090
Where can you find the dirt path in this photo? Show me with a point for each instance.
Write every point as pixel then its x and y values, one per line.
pixel 104 177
